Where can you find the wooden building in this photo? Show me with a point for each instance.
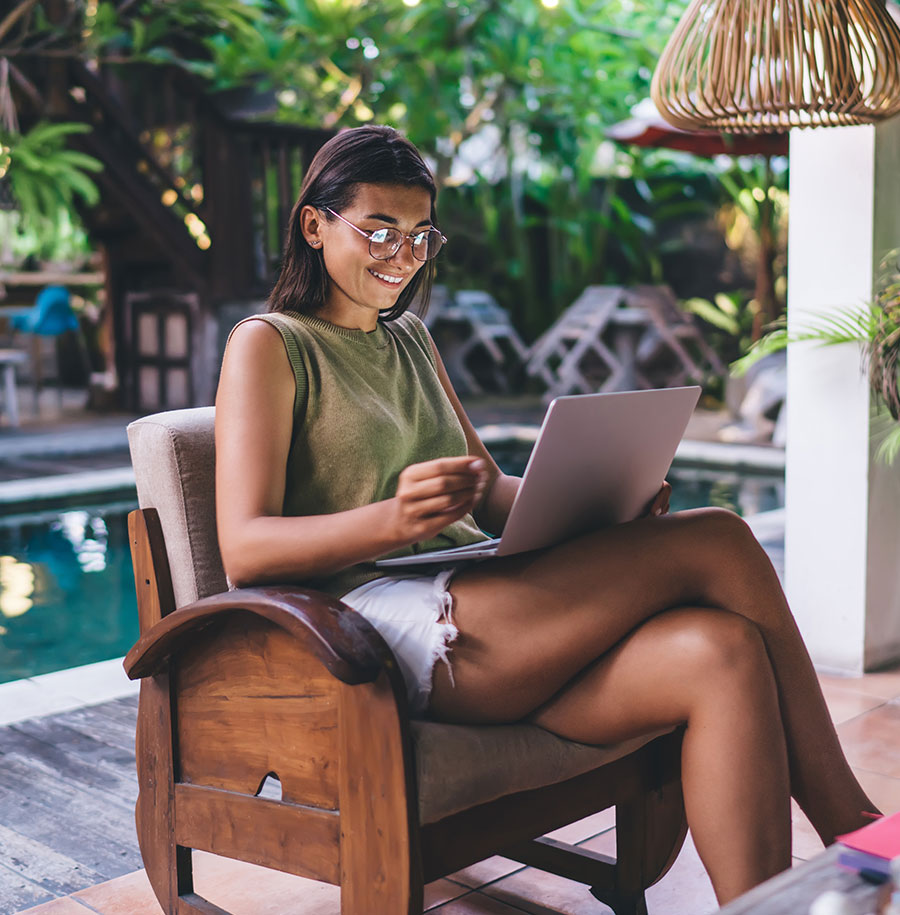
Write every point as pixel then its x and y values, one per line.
pixel 195 201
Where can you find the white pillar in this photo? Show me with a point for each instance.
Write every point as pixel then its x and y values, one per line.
pixel 842 537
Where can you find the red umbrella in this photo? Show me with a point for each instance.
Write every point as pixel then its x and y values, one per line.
pixel 647 127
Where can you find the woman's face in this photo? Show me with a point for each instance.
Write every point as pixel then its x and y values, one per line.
pixel 362 286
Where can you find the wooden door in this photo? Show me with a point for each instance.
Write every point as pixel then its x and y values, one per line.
pixel 161 325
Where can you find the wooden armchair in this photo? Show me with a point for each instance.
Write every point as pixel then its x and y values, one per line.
pixel 286 682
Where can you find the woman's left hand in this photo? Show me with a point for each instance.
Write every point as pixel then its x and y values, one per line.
pixel 660 503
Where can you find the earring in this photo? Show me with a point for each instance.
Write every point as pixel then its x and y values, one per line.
pixel 315 244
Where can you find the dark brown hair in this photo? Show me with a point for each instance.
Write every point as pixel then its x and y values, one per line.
pixel 363 155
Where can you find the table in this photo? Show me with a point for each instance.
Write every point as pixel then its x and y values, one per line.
pixel 792 892
pixel 48 277
pixel 628 325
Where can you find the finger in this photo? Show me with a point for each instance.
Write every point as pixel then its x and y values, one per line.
pixel 438 486
pixel 661 504
pixel 437 505
pixel 448 466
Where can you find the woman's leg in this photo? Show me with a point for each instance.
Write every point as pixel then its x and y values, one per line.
pixel 530 623
pixel 716 679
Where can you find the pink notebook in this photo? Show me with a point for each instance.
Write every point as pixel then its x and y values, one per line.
pixel 880 838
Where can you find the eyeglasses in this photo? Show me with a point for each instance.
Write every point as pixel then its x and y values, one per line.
pixel 385 243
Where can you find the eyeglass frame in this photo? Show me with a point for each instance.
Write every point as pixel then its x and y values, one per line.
pixel 409 238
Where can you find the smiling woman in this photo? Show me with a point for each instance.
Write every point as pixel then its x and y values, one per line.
pixel 340 440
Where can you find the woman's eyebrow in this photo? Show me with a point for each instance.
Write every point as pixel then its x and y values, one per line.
pixel 382 217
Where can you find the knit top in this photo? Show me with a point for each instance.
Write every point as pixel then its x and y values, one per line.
pixel 367 405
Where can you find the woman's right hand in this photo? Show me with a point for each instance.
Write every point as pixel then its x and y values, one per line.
pixel 436 493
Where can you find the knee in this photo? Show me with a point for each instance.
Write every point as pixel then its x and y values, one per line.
pixel 723 528
pixel 726 548
pixel 716 645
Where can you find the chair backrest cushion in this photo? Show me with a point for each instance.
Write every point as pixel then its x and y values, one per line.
pixel 174 460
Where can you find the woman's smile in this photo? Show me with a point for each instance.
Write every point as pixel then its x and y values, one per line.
pixel 388 278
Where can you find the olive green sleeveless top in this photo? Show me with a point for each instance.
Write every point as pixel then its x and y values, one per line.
pixel 367 405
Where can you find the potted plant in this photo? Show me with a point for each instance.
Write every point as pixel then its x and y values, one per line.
pixel 44 177
pixel 875 326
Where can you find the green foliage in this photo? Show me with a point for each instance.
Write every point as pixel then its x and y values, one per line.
pixel 885 434
pixel 850 325
pixel 875 328
pixel 46 177
pixel 510 100
pixel 723 312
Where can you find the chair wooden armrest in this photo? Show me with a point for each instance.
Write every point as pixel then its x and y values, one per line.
pixel 342 640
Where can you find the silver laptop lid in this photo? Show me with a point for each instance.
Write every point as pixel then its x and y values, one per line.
pixel 599 459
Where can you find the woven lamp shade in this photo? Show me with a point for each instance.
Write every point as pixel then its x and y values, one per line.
pixel 764 66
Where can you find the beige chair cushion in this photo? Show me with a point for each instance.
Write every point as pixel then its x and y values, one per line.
pixel 457 766
pixel 174 460
pixel 460 766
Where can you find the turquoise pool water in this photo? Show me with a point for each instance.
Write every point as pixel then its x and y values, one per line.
pixel 66 587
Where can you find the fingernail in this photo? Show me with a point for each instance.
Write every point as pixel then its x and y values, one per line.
pixel 477 464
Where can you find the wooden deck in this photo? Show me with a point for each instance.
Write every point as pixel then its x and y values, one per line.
pixel 67 794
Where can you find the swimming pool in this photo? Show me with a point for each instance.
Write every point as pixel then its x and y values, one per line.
pixel 67 593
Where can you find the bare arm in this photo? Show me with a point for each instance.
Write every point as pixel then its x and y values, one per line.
pixel 254 409
pixel 492 510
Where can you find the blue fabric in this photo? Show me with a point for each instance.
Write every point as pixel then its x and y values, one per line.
pixel 52 314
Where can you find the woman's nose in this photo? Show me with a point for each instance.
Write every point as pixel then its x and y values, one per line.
pixel 403 256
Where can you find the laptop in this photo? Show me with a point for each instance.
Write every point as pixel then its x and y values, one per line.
pixel 598 460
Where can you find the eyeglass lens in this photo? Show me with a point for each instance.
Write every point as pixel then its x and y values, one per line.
pixel 384 243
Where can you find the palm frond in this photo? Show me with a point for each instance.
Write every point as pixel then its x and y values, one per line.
pixel 885 433
pixel 850 325
pixel 772 342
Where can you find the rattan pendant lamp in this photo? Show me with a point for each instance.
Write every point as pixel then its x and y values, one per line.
pixel 764 66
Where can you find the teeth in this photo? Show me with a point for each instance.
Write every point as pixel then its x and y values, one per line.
pixel 390 279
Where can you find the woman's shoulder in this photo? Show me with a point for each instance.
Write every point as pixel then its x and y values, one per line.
pixel 410 321
pixel 413 327
pixel 269 335
pixel 273 325
pixel 254 332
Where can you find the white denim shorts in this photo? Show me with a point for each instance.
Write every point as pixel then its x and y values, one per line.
pixel 413 614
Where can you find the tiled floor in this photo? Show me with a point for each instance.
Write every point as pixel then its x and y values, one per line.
pixel 866 711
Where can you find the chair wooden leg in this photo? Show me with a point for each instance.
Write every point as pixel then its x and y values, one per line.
pixel 650 831
pixel 168 865
pixel 154 809
pixel 621 903
pixel 381 869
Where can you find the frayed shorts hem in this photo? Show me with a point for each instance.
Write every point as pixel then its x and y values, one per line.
pixel 414 615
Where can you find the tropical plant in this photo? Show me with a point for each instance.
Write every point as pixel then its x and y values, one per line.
pixel 875 327
pixel 45 177
pixel 755 221
pixel 509 100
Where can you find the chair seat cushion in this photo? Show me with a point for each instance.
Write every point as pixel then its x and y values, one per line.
pixel 461 766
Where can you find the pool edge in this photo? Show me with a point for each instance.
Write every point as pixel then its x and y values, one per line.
pixel 64 690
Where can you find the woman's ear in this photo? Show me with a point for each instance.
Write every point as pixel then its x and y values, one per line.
pixel 310 226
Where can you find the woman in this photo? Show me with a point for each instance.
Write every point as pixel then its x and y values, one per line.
pixel 340 440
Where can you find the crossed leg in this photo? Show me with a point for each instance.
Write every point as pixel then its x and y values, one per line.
pixel 665 621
